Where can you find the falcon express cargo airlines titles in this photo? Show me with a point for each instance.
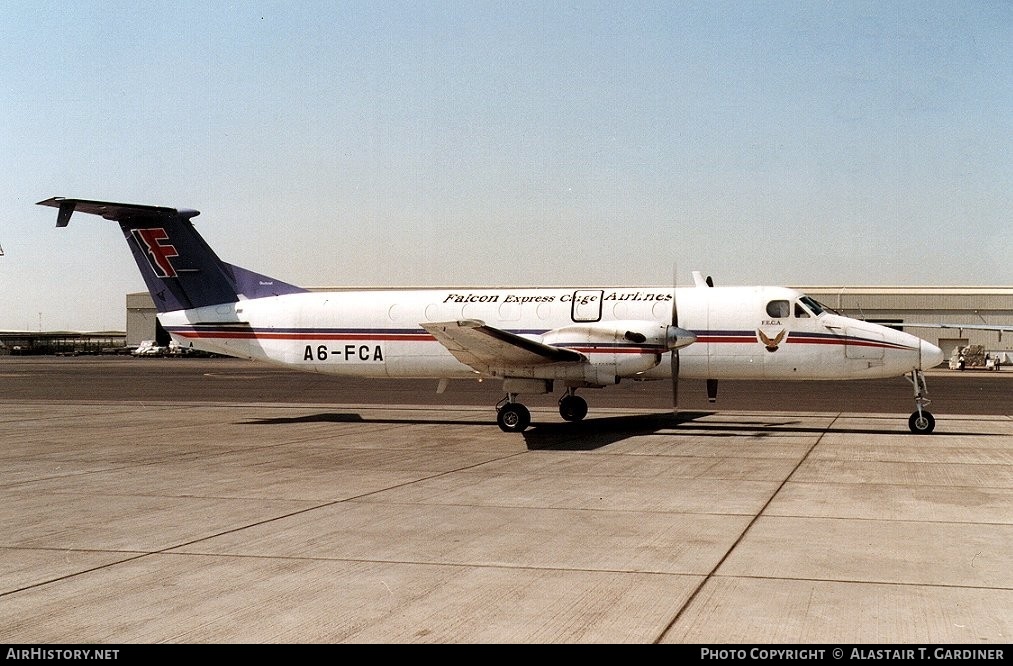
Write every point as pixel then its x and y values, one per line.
pixel 533 339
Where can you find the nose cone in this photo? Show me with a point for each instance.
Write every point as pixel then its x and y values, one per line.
pixel 931 355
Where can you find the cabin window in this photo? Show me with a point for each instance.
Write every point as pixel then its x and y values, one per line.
pixel 778 309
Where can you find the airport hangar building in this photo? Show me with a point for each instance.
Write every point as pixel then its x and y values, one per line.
pixel 892 306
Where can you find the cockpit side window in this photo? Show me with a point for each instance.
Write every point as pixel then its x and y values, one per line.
pixel 778 309
pixel 801 312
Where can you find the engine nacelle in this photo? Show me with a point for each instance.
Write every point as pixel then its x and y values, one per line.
pixel 616 349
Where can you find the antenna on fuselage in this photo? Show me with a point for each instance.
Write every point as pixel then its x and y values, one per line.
pixel 712 384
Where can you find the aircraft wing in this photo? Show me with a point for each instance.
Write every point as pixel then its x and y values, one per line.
pixel 481 347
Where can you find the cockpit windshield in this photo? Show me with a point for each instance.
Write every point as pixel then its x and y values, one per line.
pixel 814 306
pixel 804 308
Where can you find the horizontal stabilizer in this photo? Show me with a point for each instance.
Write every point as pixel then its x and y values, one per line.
pixel 111 211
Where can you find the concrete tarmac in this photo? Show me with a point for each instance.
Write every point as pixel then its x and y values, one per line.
pixel 130 517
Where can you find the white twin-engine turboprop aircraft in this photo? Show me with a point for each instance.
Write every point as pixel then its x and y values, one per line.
pixel 530 338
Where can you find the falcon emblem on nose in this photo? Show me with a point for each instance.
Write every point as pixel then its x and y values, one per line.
pixel 771 343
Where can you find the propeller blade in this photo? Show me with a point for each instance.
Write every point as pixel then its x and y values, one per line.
pixel 675 381
pixel 675 351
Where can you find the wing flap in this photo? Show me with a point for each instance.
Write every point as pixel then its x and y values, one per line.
pixel 482 347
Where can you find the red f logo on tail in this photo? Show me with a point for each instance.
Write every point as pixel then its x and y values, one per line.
pixel 158 253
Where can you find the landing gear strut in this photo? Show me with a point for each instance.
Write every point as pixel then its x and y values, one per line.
pixel 512 416
pixel 921 421
pixel 572 407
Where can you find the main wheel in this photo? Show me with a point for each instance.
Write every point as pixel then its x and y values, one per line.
pixel 513 417
pixel 572 407
pixel 922 423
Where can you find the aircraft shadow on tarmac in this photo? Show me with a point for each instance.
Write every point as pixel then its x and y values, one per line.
pixel 594 433
pixel 584 435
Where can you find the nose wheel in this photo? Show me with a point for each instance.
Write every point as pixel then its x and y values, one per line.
pixel 921 421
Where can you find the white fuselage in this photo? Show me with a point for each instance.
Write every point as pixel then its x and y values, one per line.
pixel 741 332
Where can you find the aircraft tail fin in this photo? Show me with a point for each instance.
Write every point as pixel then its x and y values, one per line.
pixel 179 268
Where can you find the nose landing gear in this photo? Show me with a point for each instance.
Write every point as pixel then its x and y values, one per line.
pixel 921 421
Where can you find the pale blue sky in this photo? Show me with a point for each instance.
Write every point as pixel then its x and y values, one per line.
pixel 496 143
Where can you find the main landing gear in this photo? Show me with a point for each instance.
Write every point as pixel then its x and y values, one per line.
pixel 921 421
pixel 512 416
pixel 572 407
